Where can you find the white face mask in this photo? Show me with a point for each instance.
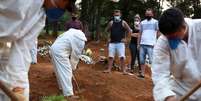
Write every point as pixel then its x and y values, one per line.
pixel 117 18
pixel 137 22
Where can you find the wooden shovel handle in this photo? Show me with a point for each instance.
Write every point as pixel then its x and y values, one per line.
pixel 195 88
pixel 8 92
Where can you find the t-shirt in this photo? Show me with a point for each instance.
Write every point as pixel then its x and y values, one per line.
pixel 149 32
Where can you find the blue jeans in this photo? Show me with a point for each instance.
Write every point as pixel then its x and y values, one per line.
pixel 146 50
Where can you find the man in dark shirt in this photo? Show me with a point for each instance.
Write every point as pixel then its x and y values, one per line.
pixel 117 28
pixel 74 22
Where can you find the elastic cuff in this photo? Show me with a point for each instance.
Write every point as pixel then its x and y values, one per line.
pixel 69 93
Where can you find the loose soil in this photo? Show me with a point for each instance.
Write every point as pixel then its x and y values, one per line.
pixel 93 84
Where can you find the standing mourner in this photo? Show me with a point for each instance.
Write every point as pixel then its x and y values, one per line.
pixel 74 22
pixel 21 23
pixel 118 28
pixel 133 43
pixel 147 39
pixel 177 57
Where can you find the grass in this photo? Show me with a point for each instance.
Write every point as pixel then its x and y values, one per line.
pixel 53 98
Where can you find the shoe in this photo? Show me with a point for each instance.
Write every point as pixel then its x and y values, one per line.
pixel 127 73
pixel 141 76
pixel 72 98
pixel 132 71
pixel 33 63
pixel 107 71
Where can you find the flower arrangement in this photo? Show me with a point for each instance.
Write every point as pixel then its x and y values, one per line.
pixel 87 56
pixel 88 52
pixel 43 51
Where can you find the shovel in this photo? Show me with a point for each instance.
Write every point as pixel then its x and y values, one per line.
pixel 8 92
pixel 193 90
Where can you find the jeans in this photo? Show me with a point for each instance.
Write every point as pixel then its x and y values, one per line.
pixel 134 53
pixel 146 50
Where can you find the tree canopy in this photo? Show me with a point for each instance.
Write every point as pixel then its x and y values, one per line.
pixel 95 14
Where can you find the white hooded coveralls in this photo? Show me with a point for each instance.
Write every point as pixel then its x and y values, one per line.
pixel 20 23
pixel 65 53
pixel 175 72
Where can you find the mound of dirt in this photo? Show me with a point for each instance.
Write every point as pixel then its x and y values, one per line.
pixel 93 84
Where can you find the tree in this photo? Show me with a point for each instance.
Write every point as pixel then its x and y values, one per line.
pixel 97 13
pixel 191 8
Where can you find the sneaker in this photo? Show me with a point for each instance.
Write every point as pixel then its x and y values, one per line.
pixel 141 76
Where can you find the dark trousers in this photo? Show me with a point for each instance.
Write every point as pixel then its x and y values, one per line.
pixel 134 54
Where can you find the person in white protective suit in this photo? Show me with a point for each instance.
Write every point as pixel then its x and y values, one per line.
pixel 66 52
pixel 33 52
pixel 176 64
pixel 21 22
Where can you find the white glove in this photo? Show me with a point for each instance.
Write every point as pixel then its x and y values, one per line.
pixel 86 59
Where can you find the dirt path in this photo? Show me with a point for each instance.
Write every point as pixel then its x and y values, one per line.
pixel 94 85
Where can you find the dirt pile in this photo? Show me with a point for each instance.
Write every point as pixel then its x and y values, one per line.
pixel 94 85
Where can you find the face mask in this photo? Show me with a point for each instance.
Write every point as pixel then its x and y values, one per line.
pixel 174 43
pixel 136 22
pixel 53 14
pixel 148 17
pixel 117 18
pixel 74 18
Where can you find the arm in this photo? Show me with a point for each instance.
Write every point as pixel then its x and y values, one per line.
pixel 157 29
pixel 140 35
pixel 77 48
pixel 127 27
pixel 138 40
pixel 136 31
pixel 161 71
pixel 17 18
pixel 108 29
pixel 158 34
pixel 134 34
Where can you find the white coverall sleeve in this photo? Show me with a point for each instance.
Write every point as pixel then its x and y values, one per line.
pixel 77 47
pixel 161 70
pixel 12 15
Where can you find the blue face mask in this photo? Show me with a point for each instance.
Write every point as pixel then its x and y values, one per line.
pixel 174 43
pixel 53 14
